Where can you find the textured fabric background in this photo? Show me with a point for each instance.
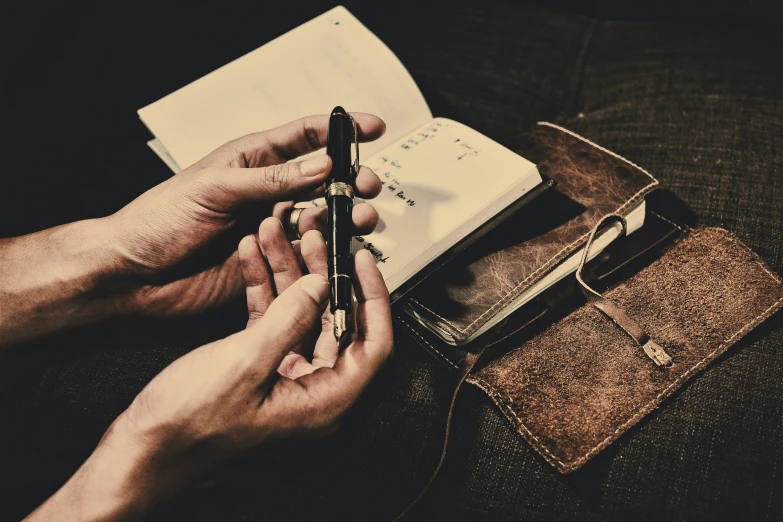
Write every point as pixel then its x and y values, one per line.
pixel 697 104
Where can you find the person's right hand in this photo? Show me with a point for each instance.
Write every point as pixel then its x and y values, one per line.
pixel 242 391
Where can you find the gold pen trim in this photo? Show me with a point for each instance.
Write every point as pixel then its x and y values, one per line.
pixel 339 189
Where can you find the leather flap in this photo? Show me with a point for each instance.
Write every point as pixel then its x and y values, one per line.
pixel 579 384
pixel 591 182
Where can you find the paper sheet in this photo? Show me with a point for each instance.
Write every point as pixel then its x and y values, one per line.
pixel 440 182
pixel 328 61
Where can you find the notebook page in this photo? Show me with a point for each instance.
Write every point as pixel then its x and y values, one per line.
pixel 328 61
pixel 440 182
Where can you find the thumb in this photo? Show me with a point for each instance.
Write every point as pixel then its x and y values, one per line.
pixel 224 188
pixel 288 320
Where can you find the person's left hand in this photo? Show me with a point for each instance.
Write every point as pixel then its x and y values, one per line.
pixel 177 242
pixel 173 250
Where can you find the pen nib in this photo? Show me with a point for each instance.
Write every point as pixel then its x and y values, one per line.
pixel 339 325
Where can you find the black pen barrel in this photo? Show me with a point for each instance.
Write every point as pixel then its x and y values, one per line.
pixel 340 255
pixel 338 147
pixel 340 205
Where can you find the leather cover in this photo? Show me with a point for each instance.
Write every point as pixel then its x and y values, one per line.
pixel 591 182
pixel 621 259
pixel 577 385
pixel 565 375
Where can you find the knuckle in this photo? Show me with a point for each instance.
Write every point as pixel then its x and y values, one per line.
pixel 254 316
pixel 286 366
pixel 278 176
pixel 311 134
pixel 302 323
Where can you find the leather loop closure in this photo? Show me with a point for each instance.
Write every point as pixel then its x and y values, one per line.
pixel 653 350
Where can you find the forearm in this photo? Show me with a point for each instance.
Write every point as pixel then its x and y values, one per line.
pixel 56 278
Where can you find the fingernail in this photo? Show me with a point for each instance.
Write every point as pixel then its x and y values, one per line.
pixel 314 166
pixel 316 287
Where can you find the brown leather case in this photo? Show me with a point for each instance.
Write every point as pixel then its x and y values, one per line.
pixel 461 296
pixel 574 385
pixel 569 376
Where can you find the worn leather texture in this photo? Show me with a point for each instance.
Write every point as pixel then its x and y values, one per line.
pixel 591 182
pixel 617 262
pixel 577 386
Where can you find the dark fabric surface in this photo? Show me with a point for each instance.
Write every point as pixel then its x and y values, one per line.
pixel 698 106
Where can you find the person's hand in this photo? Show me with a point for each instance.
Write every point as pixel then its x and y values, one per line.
pixel 173 250
pixel 251 388
pixel 177 242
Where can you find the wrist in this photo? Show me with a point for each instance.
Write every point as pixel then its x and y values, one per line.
pixel 91 259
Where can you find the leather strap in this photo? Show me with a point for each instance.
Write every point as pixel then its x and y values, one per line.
pixel 653 350
pixel 465 366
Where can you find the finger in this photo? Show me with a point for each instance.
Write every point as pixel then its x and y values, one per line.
pixel 294 365
pixel 299 137
pixel 339 387
pixel 373 312
pixel 367 183
pixel 224 189
pixel 279 254
pixel 314 254
pixel 287 322
pixel 281 210
pixel 258 279
pixel 365 219
pixel 297 247
pixel 363 358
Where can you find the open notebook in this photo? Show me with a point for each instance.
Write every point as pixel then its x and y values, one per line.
pixel 441 180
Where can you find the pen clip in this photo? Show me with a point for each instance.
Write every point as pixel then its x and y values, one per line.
pixel 355 165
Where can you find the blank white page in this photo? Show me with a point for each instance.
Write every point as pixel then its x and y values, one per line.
pixel 440 183
pixel 328 61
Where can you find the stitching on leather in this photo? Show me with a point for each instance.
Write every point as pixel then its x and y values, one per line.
pixel 559 256
pixel 644 410
pixel 672 223
pixel 575 135
pixel 771 274
pixel 554 260
pixel 641 412
pixel 753 255
pixel 417 334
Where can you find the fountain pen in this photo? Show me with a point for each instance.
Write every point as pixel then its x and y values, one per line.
pixel 339 197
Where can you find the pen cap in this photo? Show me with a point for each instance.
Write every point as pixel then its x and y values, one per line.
pixel 340 141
